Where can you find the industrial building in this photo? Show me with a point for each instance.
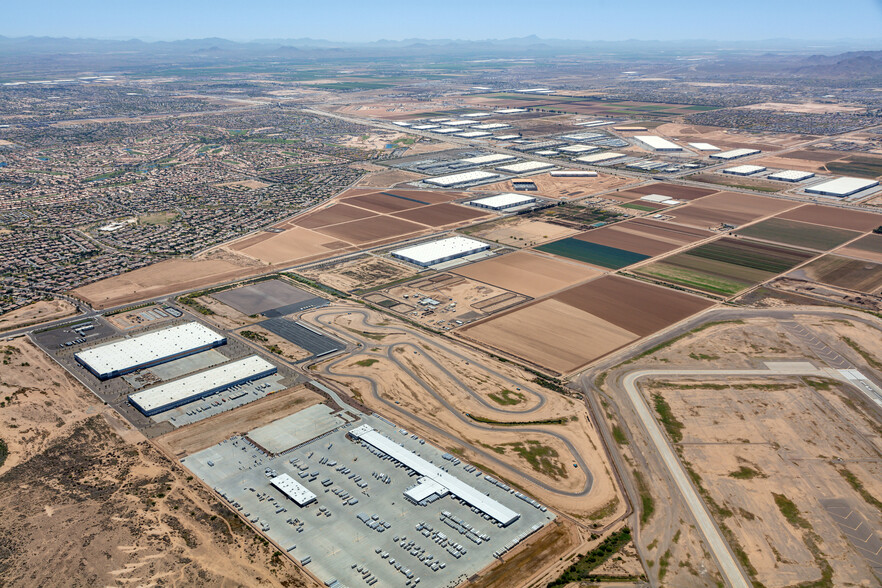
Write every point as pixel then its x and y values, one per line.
pixel 476 115
pixel 734 154
pixel 458 123
pixel 434 252
pixel 293 489
pixel 185 390
pixel 149 349
pixel 525 167
pixel 503 201
pixel 599 157
pixel 573 173
pixel 790 175
pixel 465 178
pixel 510 110
pixel 448 130
pixel 490 126
pixel 841 187
pixel 658 143
pixel 425 127
pixel 704 147
pixel 744 170
pixel 578 149
pixel 432 473
pixel 491 159
pixel 506 137
pixel 473 134
pixel 660 199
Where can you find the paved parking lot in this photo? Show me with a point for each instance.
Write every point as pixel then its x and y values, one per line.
pixel 362 527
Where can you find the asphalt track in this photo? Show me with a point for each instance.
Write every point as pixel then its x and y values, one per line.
pixel 328 369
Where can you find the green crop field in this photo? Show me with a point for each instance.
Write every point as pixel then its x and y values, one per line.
pixel 593 253
pixel 857 165
pixel 799 234
pixel 725 266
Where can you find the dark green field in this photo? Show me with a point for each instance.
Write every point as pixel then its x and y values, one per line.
pixel 799 234
pixel 592 253
pixel 857 165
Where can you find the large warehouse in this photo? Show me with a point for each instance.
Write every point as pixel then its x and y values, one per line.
pixel 573 173
pixel 658 143
pixel 744 170
pixel 440 479
pixel 463 179
pixel 734 154
pixel 149 349
pixel 841 187
pixel 525 167
pixel 790 175
pixel 502 201
pixel 442 250
pixel 293 489
pixel 600 157
pixel 179 392
pixel 487 159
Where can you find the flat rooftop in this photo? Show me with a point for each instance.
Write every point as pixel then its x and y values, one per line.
pixel 463 178
pixel 457 487
pixel 658 143
pixel 841 187
pixel 440 250
pixel 150 348
pixel 503 201
pixel 524 167
pixel 293 430
pixel 735 153
pixel 192 387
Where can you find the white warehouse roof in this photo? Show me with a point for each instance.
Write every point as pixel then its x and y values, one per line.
pixel 735 153
pixel 476 115
pixel 441 250
pixel 790 175
pixel 658 143
pixel 459 179
pixel 502 201
pixel 573 173
pixel 458 123
pixel 473 134
pixel 506 137
pixel 178 392
pixel 510 110
pixel 704 147
pixel 293 489
pixel 425 127
pixel 457 487
pixel 579 149
pixel 599 157
pixel 490 126
pixel 524 167
pixel 488 159
pixel 447 130
pixel 744 170
pixel 841 187
pixel 148 349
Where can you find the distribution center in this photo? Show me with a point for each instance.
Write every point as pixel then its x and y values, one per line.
pixel 841 187
pixel 179 392
pixel 442 250
pixel 502 201
pixel 149 349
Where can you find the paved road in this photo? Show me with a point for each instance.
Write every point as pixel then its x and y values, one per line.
pixel 330 369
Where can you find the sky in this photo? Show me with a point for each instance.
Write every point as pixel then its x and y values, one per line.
pixel 370 20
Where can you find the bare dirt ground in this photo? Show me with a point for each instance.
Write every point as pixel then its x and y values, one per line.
pixel 361 273
pixel 385 335
pixel 275 344
pixel 87 493
pixel 211 431
pixel 429 147
pixel 42 311
pixel 521 232
pixel 247 184
pixel 224 316
pixel 566 188
pixel 387 178
pixel 731 139
pixel 746 441
pixel 372 140
pixel 166 277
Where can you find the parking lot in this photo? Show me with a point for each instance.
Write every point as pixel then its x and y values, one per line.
pixel 361 530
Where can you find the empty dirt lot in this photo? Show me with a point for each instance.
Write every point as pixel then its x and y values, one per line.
pixel 528 272
pixel 87 493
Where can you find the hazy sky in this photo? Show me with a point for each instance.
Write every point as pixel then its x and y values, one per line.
pixel 368 20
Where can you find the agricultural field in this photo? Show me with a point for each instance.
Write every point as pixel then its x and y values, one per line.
pixel 645 236
pixel 727 208
pixel 528 272
pixel 593 253
pixel 566 188
pixel 726 266
pixel 581 324
pixel 868 247
pixel 861 166
pixel 798 234
pixel 579 217
pixel 671 190
pixel 853 274
pixel 835 217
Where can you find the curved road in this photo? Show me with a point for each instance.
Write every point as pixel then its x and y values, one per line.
pixel 328 369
